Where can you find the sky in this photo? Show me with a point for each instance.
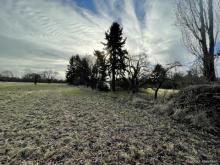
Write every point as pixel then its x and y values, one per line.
pixel 37 35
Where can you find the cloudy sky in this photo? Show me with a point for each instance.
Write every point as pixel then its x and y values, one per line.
pixel 40 35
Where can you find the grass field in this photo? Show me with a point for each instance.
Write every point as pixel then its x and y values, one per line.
pixel 56 124
pixel 161 93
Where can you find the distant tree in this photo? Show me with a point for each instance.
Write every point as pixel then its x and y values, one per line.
pixel 48 75
pixel 36 78
pixel 197 20
pixel 94 76
pixel 101 66
pixel 159 76
pixel 84 72
pixel 178 80
pixel 115 50
pixel 194 76
pixel 32 77
pixel 7 74
pixel 137 68
pixel 78 71
pixel 72 73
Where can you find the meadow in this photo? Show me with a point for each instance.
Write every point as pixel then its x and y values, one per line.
pixel 61 124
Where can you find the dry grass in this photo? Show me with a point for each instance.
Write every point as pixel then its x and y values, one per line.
pixel 161 92
pixel 52 124
pixel 199 106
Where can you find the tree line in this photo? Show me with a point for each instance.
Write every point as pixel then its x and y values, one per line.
pixel 110 67
pixel 114 68
pixel 47 76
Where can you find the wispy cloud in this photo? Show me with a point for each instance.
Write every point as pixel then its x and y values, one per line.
pixel 43 34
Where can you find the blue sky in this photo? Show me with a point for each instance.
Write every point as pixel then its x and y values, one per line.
pixel 38 35
pixel 87 4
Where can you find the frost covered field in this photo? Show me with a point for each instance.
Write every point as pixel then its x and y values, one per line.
pixel 56 124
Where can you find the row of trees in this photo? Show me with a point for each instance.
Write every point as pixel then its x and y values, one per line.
pixel 47 76
pixel 110 64
pixel 115 68
pixel 82 71
pixel 95 74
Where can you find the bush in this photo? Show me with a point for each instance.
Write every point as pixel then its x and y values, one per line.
pixel 199 105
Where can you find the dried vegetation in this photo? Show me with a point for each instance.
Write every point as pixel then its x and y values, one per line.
pixel 58 124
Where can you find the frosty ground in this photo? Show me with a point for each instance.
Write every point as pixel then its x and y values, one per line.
pixel 57 123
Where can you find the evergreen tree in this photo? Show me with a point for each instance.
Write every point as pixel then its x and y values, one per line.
pixel 117 54
pixel 85 72
pixel 101 67
pixel 78 71
pixel 70 72
pixel 94 75
pixel 73 70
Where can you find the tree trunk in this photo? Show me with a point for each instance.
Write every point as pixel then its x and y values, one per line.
pixel 211 70
pixel 208 59
pixel 156 91
pixel 113 76
pixel 203 39
pixel 155 94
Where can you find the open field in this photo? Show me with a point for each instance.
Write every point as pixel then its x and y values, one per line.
pixel 163 93
pixel 56 123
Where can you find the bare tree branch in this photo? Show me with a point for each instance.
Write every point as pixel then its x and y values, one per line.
pixel 199 24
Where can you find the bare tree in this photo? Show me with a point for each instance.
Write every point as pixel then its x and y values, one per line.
pixel 49 75
pixel 197 20
pixel 32 77
pixel 159 75
pixel 7 74
pixel 137 67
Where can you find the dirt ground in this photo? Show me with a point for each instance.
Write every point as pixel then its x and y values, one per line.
pixel 59 124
